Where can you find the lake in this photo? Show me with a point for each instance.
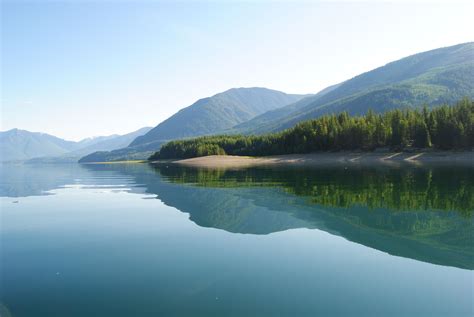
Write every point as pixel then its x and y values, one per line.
pixel 142 240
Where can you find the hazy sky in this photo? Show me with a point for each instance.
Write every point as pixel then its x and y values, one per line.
pixel 82 68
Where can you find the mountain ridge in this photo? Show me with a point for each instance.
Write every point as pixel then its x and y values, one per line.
pixel 217 113
pixel 434 77
pixel 206 116
pixel 23 145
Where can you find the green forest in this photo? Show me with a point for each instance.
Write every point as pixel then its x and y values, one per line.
pixel 445 128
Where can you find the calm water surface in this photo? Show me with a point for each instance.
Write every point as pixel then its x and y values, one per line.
pixel 138 240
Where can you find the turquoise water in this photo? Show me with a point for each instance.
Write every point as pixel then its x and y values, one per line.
pixel 138 240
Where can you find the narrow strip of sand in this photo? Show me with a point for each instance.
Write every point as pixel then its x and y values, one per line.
pixel 317 159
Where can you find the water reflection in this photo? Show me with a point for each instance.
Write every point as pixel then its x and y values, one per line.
pixel 419 213
pixel 440 188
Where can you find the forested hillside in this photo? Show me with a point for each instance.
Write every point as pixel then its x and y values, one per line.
pixel 431 78
pixel 443 128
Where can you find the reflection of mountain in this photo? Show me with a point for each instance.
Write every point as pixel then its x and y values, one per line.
pixel 415 213
pixel 416 220
pixel 419 213
pixel 23 180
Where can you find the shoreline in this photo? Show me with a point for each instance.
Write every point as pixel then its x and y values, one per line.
pixel 117 162
pixel 329 158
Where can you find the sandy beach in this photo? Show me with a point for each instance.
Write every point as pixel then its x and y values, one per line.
pixel 319 159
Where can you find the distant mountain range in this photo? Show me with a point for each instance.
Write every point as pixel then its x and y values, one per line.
pixel 22 145
pixel 18 144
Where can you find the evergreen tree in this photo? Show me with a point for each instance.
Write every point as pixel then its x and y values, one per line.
pixel 443 128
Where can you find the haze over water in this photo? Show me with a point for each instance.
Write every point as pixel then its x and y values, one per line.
pixel 124 240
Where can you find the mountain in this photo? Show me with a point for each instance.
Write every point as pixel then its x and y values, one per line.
pixel 18 144
pixel 282 112
pixel 434 77
pixel 439 76
pixel 109 144
pixel 206 116
pixel 94 140
pixel 22 145
pixel 217 113
pixel 104 145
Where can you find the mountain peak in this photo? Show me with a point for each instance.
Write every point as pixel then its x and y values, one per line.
pixel 218 113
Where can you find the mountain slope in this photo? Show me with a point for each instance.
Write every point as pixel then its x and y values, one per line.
pixel 217 113
pixel 282 112
pixel 117 142
pixel 206 116
pixel 21 145
pixel 18 144
pixel 94 140
pixel 439 76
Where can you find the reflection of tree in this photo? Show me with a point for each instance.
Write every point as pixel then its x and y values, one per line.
pixel 404 212
pixel 419 213
pixel 441 188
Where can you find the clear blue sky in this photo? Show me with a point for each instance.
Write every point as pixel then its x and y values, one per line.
pixel 82 68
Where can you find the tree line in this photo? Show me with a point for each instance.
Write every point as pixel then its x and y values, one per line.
pixel 445 127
